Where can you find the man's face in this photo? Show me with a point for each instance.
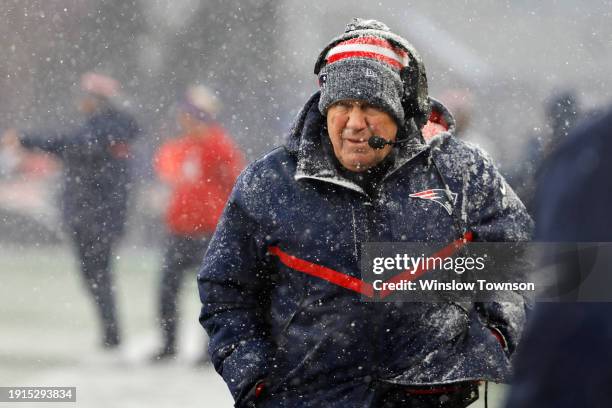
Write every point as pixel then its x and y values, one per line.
pixel 350 124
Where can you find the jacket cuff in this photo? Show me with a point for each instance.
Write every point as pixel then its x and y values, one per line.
pixel 500 337
pixel 508 318
pixel 245 366
pixel 257 392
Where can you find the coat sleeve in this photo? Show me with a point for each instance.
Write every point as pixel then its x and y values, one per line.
pixel 234 290
pixel 496 214
pixel 88 140
pixel 50 141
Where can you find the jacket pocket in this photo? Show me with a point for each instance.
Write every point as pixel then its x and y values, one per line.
pixel 275 377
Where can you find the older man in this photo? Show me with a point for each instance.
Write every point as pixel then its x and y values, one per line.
pixel 287 326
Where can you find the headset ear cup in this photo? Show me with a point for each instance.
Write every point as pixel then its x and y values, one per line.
pixel 422 94
pixel 415 100
pixel 409 100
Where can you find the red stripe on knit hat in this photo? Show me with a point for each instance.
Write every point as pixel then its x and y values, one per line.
pixel 381 42
pixel 364 54
pixel 369 47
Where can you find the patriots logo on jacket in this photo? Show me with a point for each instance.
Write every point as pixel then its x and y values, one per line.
pixel 439 196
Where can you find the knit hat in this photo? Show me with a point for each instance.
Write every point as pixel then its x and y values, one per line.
pixel 369 62
pixel 201 103
pixel 100 85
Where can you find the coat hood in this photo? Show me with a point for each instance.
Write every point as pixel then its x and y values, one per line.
pixel 304 142
pixel 310 120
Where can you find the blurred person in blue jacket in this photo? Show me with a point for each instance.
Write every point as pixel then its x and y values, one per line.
pixel 566 358
pixel 96 182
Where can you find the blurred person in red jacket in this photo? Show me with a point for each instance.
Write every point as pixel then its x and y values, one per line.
pixel 200 166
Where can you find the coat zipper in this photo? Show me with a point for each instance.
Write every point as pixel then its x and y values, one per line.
pixel 370 210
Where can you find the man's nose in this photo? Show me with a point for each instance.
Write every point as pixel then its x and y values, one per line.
pixel 357 119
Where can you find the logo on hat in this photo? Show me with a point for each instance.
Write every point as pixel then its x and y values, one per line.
pixel 369 73
pixel 439 196
pixel 322 80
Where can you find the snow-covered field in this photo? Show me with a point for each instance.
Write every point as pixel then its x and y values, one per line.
pixel 48 335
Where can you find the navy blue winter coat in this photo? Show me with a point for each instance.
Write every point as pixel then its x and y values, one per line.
pixel 317 343
pixel 96 169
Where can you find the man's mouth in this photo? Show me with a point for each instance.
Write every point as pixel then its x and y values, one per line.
pixel 355 145
pixel 355 140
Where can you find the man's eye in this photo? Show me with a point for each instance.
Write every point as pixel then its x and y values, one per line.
pixel 371 110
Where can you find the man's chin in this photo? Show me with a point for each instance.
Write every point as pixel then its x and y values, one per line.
pixel 357 166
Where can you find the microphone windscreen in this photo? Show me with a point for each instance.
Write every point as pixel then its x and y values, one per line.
pixel 377 142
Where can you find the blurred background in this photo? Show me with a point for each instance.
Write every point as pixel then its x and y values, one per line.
pixel 500 66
